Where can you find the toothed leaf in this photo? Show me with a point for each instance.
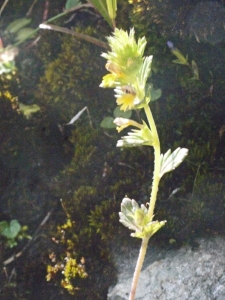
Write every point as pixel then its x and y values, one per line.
pixel 169 161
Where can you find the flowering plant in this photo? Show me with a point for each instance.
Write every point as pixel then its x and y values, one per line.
pixel 128 74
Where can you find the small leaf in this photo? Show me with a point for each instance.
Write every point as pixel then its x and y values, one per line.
pixel 15 227
pixel 155 94
pixel 101 6
pixel 122 114
pixel 11 243
pixel 107 122
pixel 137 138
pixel 25 33
pixel 127 214
pixel 3 226
pixel 18 24
pixel 11 230
pixel 169 161
pixel 136 218
pixel 112 7
pixel 195 69
pixel 149 230
pixel 72 3
pixel 177 61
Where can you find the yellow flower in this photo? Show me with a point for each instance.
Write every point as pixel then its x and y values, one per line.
pixel 108 80
pixel 123 123
pixel 126 96
pixel 115 76
pixel 126 101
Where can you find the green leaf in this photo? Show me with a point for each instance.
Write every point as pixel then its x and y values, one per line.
pixel 177 61
pixel 18 24
pixel 149 230
pixel 136 218
pixel 112 7
pixel 169 161
pixel 118 113
pixel 146 67
pixel 107 122
pixel 11 243
pixel 72 3
pixel 155 94
pixel 101 6
pixel 25 33
pixel 11 230
pixel 15 227
pixel 127 214
pixel 3 226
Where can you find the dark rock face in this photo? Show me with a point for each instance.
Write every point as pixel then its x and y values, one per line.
pixel 179 275
pixel 206 21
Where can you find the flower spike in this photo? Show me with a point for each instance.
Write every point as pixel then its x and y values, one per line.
pixel 125 58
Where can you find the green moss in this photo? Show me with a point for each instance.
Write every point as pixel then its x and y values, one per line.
pixel 71 80
pixel 104 218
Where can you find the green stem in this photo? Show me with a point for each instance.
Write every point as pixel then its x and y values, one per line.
pixel 156 146
pixel 78 35
pixel 139 264
pixel 153 197
pixel 69 11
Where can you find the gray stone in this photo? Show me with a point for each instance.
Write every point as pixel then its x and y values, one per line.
pixel 183 274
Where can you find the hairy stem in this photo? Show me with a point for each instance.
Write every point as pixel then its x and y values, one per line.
pixel 155 184
pixel 156 146
pixel 139 264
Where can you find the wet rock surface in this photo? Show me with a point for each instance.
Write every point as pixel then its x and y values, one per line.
pixel 186 273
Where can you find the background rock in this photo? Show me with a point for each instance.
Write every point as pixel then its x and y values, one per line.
pixel 193 274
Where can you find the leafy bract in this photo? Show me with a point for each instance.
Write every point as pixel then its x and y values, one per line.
pixel 101 6
pixel 137 137
pixel 136 218
pixel 169 161
pixel 112 7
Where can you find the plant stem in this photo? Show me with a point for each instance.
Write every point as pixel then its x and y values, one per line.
pixel 156 146
pixel 78 35
pixel 139 264
pixel 155 184
pixel 69 11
